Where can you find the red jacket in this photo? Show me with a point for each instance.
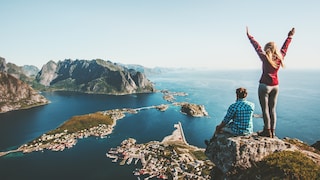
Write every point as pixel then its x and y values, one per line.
pixel 269 73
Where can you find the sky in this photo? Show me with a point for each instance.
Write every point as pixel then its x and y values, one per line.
pixel 158 33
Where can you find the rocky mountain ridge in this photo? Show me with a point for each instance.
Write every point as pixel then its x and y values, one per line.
pixel 16 94
pixel 94 76
pixel 25 73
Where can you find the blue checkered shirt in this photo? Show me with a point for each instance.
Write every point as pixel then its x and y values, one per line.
pixel 239 117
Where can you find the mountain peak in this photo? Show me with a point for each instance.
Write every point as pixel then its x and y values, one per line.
pixel 93 76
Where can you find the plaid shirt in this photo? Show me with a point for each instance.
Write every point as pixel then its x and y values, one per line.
pixel 239 117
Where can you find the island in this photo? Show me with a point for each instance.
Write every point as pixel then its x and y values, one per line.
pixel 170 96
pixel 189 109
pixel 98 124
pixel 194 110
pixel 172 158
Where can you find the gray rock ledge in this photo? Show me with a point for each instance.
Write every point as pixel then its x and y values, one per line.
pixel 231 154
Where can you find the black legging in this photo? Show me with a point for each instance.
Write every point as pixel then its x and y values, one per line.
pixel 268 96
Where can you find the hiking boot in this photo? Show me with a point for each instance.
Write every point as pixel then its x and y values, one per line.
pixel 265 133
pixel 273 133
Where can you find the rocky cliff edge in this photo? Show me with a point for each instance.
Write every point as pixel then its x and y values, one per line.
pixel 14 93
pixel 234 154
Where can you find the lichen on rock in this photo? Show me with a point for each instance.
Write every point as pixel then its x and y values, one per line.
pixel 237 153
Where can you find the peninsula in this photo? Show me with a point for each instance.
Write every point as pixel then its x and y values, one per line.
pixel 99 124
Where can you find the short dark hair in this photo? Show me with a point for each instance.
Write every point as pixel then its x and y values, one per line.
pixel 241 92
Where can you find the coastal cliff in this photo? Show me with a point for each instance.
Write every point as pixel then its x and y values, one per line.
pixel 246 157
pixel 95 76
pixel 15 94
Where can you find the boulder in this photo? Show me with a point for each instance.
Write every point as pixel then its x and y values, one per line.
pixel 230 153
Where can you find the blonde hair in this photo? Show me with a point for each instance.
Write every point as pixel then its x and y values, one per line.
pixel 272 54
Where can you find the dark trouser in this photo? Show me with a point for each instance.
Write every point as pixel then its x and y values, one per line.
pixel 268 96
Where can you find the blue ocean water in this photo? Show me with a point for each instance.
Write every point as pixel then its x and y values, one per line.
pixel 298 101
pixel 298 107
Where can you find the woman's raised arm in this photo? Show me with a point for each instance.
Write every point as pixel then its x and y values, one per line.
pixel 291 32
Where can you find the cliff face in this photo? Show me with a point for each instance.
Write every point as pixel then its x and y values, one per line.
pixel 47 73
pixel 15 94
pixel 232 154
pixel 96 76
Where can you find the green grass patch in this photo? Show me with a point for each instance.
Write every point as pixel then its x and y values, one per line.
pixel 78 123
pixel 283 165
pixel 302 145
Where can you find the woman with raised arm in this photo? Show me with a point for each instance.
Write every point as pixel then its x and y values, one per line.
pixel 272 60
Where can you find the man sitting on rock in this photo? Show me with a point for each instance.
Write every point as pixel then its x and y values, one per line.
pixel 238 120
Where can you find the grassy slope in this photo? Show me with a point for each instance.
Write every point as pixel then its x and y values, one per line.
pixel 78 123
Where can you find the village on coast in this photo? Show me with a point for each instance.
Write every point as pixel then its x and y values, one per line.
pixel 172 158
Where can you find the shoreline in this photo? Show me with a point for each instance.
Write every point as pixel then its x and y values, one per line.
pixel 61 141
pixel 64 140
pixel 26 107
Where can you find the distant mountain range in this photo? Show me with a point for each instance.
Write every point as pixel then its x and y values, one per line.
pixel 93 76
pixel 26 73
pixel 147 71
pixel 19 83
